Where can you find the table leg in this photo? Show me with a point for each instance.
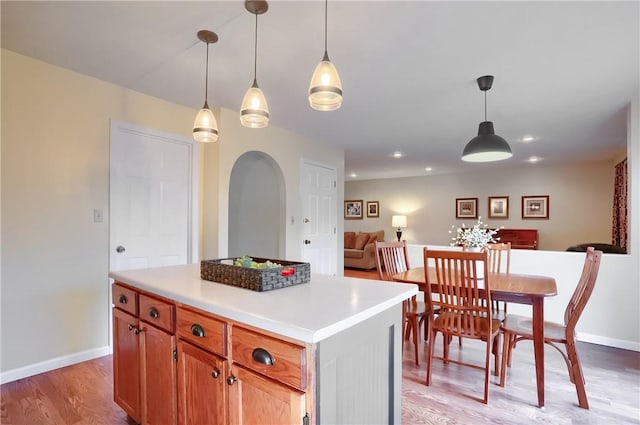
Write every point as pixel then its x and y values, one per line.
pixel 538 345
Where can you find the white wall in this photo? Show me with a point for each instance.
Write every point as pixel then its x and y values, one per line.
pixel 580 202
pixel 55 303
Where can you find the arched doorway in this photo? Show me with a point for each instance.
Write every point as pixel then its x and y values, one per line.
pixel 256 207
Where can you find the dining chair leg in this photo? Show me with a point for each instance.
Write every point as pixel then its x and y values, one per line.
pixel 432 340
pixel 487 370
pixel 416 329
pixel 577 375
pixel 445 347
pixel 506 351
pixel 495 349
pixel 512 341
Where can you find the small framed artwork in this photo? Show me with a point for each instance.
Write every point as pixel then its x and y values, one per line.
pixel 353 210
pixel 466 207
pixel 535 206
pixel 499 207
pixel 373 209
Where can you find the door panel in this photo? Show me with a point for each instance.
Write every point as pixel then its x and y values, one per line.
pixel 319 199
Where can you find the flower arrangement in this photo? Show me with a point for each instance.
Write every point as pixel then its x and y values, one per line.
pixel 477 236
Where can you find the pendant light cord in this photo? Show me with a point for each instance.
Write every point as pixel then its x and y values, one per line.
pixel 255 53
pixel 325 25
pixel 206 77
pixel 485 105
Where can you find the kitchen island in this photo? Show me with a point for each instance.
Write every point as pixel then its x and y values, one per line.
pixel 328 351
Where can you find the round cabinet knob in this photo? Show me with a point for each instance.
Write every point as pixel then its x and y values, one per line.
pixel 131 326
pixel 153 312
pixel 231 380
pixel 307 241
pixel 120 249
pixel 122 299
pixel 215 373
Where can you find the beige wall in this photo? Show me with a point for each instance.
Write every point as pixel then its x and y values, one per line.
pixel 580 203
pixel 55 304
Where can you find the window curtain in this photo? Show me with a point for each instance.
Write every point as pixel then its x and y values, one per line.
pixel 619 228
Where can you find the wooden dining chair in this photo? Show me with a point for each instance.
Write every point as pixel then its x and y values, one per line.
pixel 464 300
pixel 392 258
pixel 499 262
pixel 517 328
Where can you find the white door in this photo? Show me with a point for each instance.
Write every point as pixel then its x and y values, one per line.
pixel 319 217
pixel 150 198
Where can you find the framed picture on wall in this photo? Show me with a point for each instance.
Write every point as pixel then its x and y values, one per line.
pixel 466 207
pixel 499 207
pixel 535 206
pixel 373 209
pixel 353 210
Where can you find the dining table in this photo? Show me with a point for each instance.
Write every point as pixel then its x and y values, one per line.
pixel 513 288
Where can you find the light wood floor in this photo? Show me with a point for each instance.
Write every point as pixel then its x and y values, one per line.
pixel 82 393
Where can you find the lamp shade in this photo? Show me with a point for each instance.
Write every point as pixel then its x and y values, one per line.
pixel 486 146
pixel 399 221
pixel 325 89
pixel 205 127
pixel 254 112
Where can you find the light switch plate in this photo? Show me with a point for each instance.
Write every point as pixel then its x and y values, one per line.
pixel 98 216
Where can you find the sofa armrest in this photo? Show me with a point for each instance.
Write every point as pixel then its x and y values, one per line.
pixel 370 250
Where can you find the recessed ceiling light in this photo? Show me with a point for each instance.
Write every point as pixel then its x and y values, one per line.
pixel 353 175
pixel 528 138
pixel 534 159
pixel 397 154
pixel 428 169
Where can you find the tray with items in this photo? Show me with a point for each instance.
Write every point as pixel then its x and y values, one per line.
pixel 256 274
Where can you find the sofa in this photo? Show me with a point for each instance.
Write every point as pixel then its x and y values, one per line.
pixel 360 249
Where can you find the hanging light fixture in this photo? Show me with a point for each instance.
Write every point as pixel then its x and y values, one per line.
pixel 254 111
pixel 486 146
pixel 205 127
pixel 325 90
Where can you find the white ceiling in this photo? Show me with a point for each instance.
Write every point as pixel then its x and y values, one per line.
pixel 564 70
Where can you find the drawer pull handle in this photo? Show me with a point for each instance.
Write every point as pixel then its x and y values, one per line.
pixel 263 356
pixel 131 326
pixel 122 299
pixel 215 373
pixel 197 330
pixel 231 380
pixel 153 312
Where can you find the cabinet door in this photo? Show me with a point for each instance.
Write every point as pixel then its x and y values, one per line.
pixel 202 398
pixel 126 369
pixel 158 377
pixel 254 399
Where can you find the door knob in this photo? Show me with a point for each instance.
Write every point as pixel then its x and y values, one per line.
pixel 306 220
pixel 307 241
pixel 120 249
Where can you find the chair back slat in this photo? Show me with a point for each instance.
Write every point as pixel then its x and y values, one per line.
pixel 499 257
pixel 458 290
pixel 391 258
pixel 583 290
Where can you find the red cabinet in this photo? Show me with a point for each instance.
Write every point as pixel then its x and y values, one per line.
pixel 519 238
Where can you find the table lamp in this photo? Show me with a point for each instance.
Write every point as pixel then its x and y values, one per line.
pixel 399 221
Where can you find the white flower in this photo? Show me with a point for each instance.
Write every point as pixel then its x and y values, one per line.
pixel 477 236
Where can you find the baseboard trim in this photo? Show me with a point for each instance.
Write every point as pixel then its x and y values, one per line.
pixel 48 365
pixel 609 342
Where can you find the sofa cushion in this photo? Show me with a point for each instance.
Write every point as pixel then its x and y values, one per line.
pixel 353 253
pixel 372 238
pixel 349 240
pixel 361 240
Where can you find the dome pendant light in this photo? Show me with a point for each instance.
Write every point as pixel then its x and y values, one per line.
pixel 486 146
pixel 325 90
pixel 254 111
pixel 205 127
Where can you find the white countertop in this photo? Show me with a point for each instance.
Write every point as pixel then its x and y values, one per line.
pixel 308 312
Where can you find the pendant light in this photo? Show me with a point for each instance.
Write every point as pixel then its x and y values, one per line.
pixel 325 89
pixel 486 146
pixel 205 127
pixel 254 111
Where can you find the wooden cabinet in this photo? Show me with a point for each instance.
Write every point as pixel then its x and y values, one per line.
pixel 201 386
pixel 143 357
pixel 519 238
pixel 254 399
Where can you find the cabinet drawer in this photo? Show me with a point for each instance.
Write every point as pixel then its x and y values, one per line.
pixel 275 358
pixel 201 330
pixel 125 299
pixel 156 312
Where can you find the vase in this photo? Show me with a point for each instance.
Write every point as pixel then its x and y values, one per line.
pixel 479 264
